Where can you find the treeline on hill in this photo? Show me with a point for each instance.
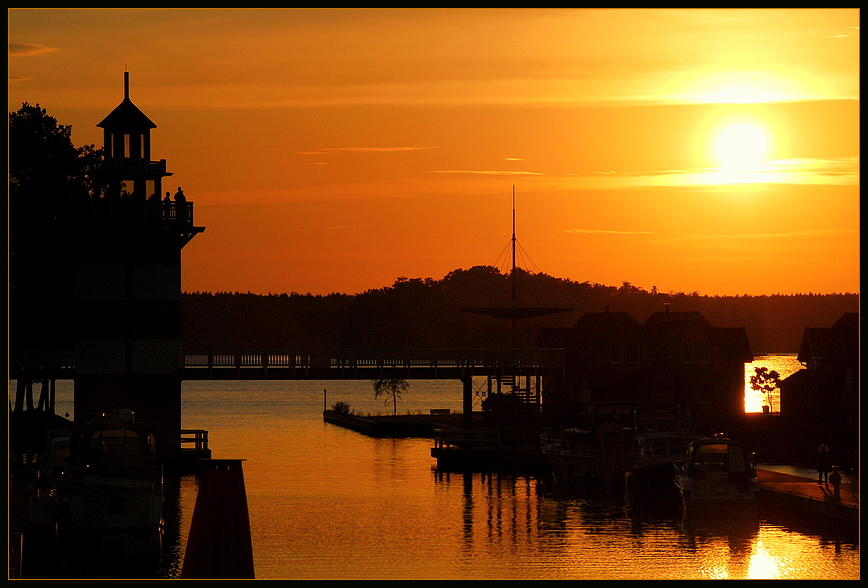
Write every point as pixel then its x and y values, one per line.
pixel 426 313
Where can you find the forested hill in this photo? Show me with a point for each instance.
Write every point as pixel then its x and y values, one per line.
pixel 425 313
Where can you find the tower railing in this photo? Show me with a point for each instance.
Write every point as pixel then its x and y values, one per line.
pixel 131 166
pixel 125 209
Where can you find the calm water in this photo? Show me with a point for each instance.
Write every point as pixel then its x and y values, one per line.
pixel 328 503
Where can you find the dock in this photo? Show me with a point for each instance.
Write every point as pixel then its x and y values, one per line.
pixel 805 495
pixel 416 425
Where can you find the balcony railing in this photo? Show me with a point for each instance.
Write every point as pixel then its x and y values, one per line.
pixel 107 211
pixel 131 166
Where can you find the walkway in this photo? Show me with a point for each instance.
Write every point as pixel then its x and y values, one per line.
pixel 805 494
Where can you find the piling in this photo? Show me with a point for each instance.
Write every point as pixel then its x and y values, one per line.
pixel 219 544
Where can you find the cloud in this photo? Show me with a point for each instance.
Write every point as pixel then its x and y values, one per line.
pixel 815 233
pixel 608 232
pixel 21 49
pixel 487 172
pixel 377 149
pixel 803 171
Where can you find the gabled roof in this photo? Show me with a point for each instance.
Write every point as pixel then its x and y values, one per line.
pixel 736 339
pixel 840 342
pixel 594 327
pixel 127 117
pixel 664 326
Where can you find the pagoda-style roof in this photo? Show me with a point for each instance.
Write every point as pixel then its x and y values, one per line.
pixel 126 116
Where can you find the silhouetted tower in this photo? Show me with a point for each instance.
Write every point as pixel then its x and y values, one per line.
pixel 127 295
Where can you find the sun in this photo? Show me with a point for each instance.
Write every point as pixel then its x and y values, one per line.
pixel 741 146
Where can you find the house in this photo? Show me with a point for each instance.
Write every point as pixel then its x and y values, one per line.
pixel 820 404
pixel 674 358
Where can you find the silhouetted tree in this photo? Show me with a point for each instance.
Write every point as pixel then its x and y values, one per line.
pixel 392 390
pixel 46 171
pixel 765 381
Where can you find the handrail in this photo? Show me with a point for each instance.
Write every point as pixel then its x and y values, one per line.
pixel 330 359
pixel 117 209
pixel 370 359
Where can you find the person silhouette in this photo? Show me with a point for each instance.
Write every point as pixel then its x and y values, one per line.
pixel 168 197
pixel 824 464
pixel 835 480
pixel 179 195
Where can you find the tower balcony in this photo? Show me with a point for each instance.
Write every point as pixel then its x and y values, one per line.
pixel 131 167
pixel 101 214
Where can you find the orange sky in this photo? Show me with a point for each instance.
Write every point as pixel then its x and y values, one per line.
pixel 336 150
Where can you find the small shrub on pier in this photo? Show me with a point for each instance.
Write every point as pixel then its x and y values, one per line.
pixel 341 407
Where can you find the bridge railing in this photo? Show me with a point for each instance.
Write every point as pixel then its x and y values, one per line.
pixel 361 359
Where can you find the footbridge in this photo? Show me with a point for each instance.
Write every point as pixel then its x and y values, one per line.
pixel 522 370
pixel 425 364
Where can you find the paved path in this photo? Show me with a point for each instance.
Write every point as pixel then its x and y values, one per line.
pixel 808 487
pixel 804 493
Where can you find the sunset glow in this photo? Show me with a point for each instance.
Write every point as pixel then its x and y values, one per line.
pixel 337 150
pixel 741 147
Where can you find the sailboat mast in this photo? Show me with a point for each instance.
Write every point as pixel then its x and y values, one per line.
pixel 512 273
pixel 513 228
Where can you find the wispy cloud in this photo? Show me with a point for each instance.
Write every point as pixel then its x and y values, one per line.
pixel 377 149
pixel 607 232
pixel 804 171
pixel 487 172
pixel 807 234
pixel 21 49
pixel 855 34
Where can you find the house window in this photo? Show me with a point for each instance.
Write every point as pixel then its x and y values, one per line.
pixel 616 353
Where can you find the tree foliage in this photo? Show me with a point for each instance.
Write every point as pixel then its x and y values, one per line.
pixel 46 171
pixel 765 381
pixel 391 390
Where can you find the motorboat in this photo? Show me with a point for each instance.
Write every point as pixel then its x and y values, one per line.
pixel 660 438
pixel 719 472
pixel 113 480
pixel 594 451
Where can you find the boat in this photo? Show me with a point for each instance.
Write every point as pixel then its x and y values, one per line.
pixel 113 480
pixel 717 472
pixel 594 451
pixel 660 438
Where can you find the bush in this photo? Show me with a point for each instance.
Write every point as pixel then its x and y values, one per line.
pixel 341 407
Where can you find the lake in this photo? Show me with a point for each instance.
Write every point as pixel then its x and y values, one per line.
pixel 328 503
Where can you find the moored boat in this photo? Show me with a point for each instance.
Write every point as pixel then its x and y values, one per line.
pixel 717 471
pixel 659 439
pixel 594 451
pixel 113 479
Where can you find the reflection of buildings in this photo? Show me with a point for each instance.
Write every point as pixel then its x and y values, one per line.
pixel 672 358
pixel 502 511
pixel 821 402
